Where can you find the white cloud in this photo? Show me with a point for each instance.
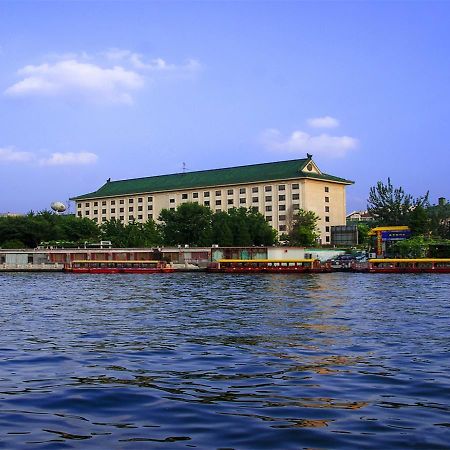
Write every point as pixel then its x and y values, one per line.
pixel 115 79
pixel 8 154
pixel 69 159
pixel 323 122
pixel 139 62
pixel 302 142
pixel 11 155
pixel 73 77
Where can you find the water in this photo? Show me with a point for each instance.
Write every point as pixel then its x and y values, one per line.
pixel 222 361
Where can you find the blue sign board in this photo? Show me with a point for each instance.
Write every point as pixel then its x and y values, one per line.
pixel 395 235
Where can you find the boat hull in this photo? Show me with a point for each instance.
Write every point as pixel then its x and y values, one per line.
pixel 252 270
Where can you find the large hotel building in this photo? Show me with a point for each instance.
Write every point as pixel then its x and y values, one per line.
pixel 276 189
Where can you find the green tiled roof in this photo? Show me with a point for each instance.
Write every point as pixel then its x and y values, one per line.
pixel 281 170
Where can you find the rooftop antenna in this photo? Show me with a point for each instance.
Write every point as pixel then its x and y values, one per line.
pixel 184 167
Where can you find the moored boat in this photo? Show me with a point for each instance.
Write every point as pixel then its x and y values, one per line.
pixel 268 266
pixel 104 266
pixel 409 265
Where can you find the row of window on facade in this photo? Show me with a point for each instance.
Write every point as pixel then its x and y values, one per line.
pixel 206 194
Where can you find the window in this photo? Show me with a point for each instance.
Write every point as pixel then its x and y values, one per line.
pixel 140 216
pixel 122 210
pixel 130 200
pixel 184 196
pixel 295 186
pixel 282 227
pixel 281 198
pixel 149 216
pixel 95 219
pixel 282 187
pixel 113 210
pixel 327 238
pixel 103 211
pixel 230 201
pixel 242 200
pixel 281 207
pixel 149 199
pixel 121 217
pixel 295 196
pixel 103 203
pixel 327 199
pixel 218 210
pixel 255 199
pixel 242 191
pixel 327 218
pixel 140 200
pixel 79 214
pixel 103 219
pixel 268 198
pixel 205 194
pixel 95 203
pixel 172 209
pixel 195 195
pixel 218 193
pixel 282 217
pixel 130 217
pixel 255 190
pixel 218 202
pixel 150 207
pixel 122 201
pixel 269 218
pixel 327 209
pixel 113 202
pixel 268 208
pixel 327 229
pixel 206 203
pixel 172 200
pixel 295 206
pixel 86 205
pixel 230 192
pixel 95 211
pixel 78 205
pixel 130 209
pixel 268 188
pixel 327 189
pixel 87 213
pixel 139 208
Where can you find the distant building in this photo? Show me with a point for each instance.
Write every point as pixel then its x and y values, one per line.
pixel 277 190
pixel 10 214
pixel 359 216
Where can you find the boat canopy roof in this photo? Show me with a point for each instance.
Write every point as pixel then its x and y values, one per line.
pixel 102 261
pixel 266 260
pixel 411 260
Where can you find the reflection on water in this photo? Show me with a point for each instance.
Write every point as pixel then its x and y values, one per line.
pixel 219 361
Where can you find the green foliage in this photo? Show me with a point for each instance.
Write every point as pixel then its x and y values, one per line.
pixel 189 224
pixel 196 225
pixel 34 228
pixel 304 230
pixel 415 247
pixel 440 220
pixel 363 233
pixel 13 244
pixel 134 234
pixel 392 206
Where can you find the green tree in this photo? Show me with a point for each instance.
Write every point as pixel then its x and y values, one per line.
pixel 415 247
pixel 221 230
pixel 363 233
pixel 392 206
pixel 418 221
pixel 190 223
pixel 304 230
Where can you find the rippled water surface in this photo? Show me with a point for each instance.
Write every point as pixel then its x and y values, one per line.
pixel 224 361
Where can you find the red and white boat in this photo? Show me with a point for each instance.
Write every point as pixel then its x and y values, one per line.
pixel 89 266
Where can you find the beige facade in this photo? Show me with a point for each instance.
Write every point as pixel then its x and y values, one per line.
pixel 277 200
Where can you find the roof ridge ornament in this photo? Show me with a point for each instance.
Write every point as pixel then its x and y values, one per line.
pixel 309 156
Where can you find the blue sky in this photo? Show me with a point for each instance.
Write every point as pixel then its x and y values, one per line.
pixel 92 90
